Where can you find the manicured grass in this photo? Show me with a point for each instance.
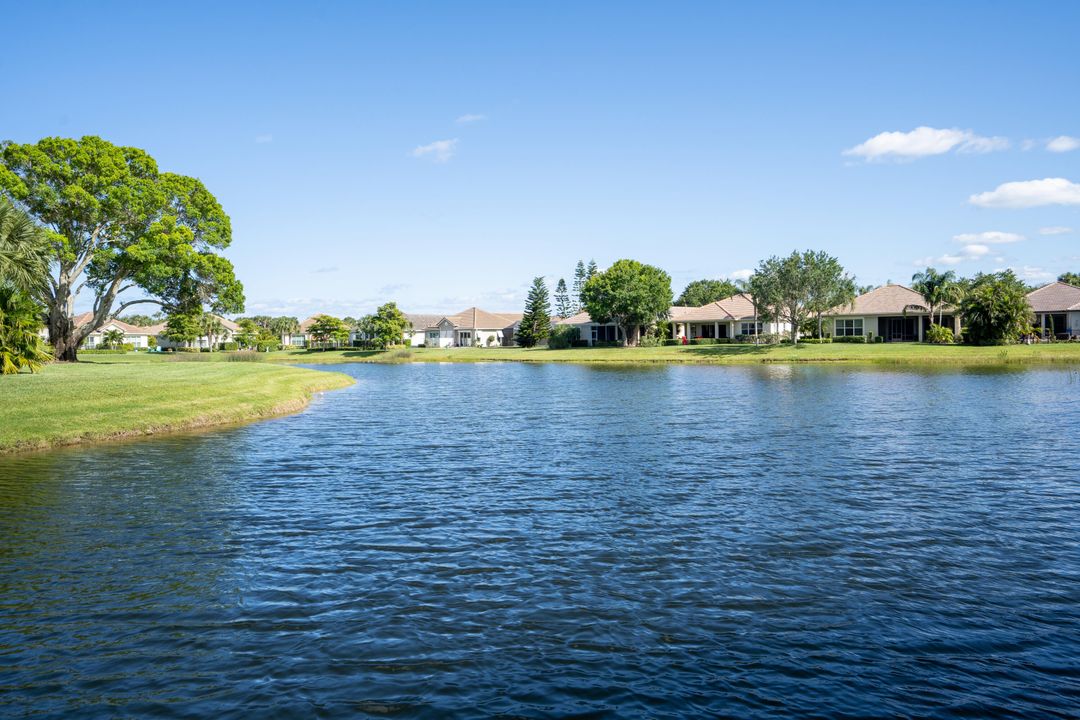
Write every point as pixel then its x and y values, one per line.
pixel 108 396
pixel 887 354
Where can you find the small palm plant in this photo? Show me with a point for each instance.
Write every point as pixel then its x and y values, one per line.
pixel 113 339
pixel 20 320
pixel 938 289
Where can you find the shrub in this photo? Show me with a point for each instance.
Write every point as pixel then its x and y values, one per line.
pixel 187 350
pixel 608 343
pixel 940 335
pixel 102 351
pixel 702 341
pixel 230 346
pixel 850 339
pixel 670 341
pixel 564 336
pixel 245 356
pixel 579 343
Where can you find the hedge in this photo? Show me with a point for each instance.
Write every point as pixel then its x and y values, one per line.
pixel 850 339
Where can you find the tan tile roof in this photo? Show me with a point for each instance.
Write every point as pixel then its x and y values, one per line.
pixel 580 319
pixel 127 328
pixel 1055 297
pixel 420 321
pixel 885 300
pixel 308 322
pixel 476 319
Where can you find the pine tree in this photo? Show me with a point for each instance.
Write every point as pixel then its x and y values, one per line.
pixel 592 269
pixel 579 284
pixel 562 300
pixel 536 324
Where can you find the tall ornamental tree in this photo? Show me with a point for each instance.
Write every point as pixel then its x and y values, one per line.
pixel 703 292
pixel 995 309
pixel 580 276
pixel 562 300
pixel 282 326
pixel 938 290
pixel 536 323
pixel 782 288
pixel 182 328
pixel 629 294
pixel 116 223
pixel 829 286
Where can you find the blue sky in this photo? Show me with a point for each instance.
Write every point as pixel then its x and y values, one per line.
pixel 442 154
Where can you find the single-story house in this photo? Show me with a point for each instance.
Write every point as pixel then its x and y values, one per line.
pixel 470 327
pixel 138 337
pixel 228 331
pixel 729 318
pixel 890 312
pixel 1057 309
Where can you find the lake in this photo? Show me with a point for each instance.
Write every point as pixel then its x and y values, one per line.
pixel 553 540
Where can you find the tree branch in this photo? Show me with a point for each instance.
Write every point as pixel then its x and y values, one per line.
pixel 85 260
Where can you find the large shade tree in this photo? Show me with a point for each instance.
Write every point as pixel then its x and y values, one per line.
pixel 703 292
pixel 829 286
pixel 629 294
pixel 117 224
pixel 782 289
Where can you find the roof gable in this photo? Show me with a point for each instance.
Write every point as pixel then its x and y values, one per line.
pixel 884 300
pixel 1055 297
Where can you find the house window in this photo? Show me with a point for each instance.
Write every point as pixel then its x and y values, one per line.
pixel 465 338
pixel 750 328
pixel 433 338
pixel 849 327
pixel 604 333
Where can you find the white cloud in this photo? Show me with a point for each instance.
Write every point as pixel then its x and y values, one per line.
pixel 1063 143
pixel 439 151
pixel 743 274
pixel 264 139
pixel 1030 193
pixel 1029 272
pixel 1055 230
pixel 923 142
pixel 469 118
pixel 991 238
pixel 970 251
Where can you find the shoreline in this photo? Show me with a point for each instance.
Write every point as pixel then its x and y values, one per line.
pixel 283 391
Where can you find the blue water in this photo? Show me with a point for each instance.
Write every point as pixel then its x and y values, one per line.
pixel 536 541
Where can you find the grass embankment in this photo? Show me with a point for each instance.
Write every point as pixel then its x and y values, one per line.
pixel 878 354
pixel 109 396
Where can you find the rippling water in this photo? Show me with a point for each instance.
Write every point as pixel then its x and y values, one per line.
pixel 517 540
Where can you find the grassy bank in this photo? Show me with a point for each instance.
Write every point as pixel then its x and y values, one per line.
pixel 110 396
pixel 884 354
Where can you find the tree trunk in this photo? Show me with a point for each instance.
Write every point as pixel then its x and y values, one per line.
pixel 631 334
pixel 62 321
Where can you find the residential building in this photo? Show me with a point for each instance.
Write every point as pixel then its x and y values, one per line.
pixel 471 327
pixel 1057 310
pixel 891 312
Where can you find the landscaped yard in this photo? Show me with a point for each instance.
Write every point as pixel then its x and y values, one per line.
pixel 116 395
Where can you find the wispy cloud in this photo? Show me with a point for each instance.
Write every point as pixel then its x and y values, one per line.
pixel 1055 230
pixel 1063 143
pixel 264 139
pixel 469 118
pixel 1029 272
pixel 988 238
pixel 743 274
pixel 924 142
pixel 1030 193
pixel 439 151
pixel 970 251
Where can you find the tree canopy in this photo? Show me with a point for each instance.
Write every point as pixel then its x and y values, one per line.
pixel 1070 278
pixel 329 330
pixel 116 223
pixel 794 288
pixel 387 326
pixel 995 309
pixel 563 305
pixel 828 285
pixel 703 292
pixel 536 323
pixel 629 294
pixel 938 290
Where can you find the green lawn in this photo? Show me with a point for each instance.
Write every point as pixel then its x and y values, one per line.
pixel 887 354
pixel 108 396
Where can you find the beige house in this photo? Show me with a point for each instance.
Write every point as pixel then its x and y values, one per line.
pixel 138 337
pixel 228 332
pixel 889 312
pixel 471 327
pixel 730 318
pixel 1057 310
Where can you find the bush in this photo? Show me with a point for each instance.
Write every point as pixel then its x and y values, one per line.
pixel 102 351
pixel 850 339
pixel 608 343
pixel 245 356
pixel 230 346
pixel 186 350
pixel 676 341
pixel 580 343
pixel 563 336
pixel 815 341
pixel 940 335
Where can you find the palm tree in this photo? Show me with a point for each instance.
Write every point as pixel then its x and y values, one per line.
pixel 938 290
pixel 20 321
pixel 23 251
pixel 113 338
pixel 212 327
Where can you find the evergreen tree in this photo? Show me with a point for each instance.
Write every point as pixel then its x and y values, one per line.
pixel 592 270
pixel 580 277
pixel 563 308
pixel 536 324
